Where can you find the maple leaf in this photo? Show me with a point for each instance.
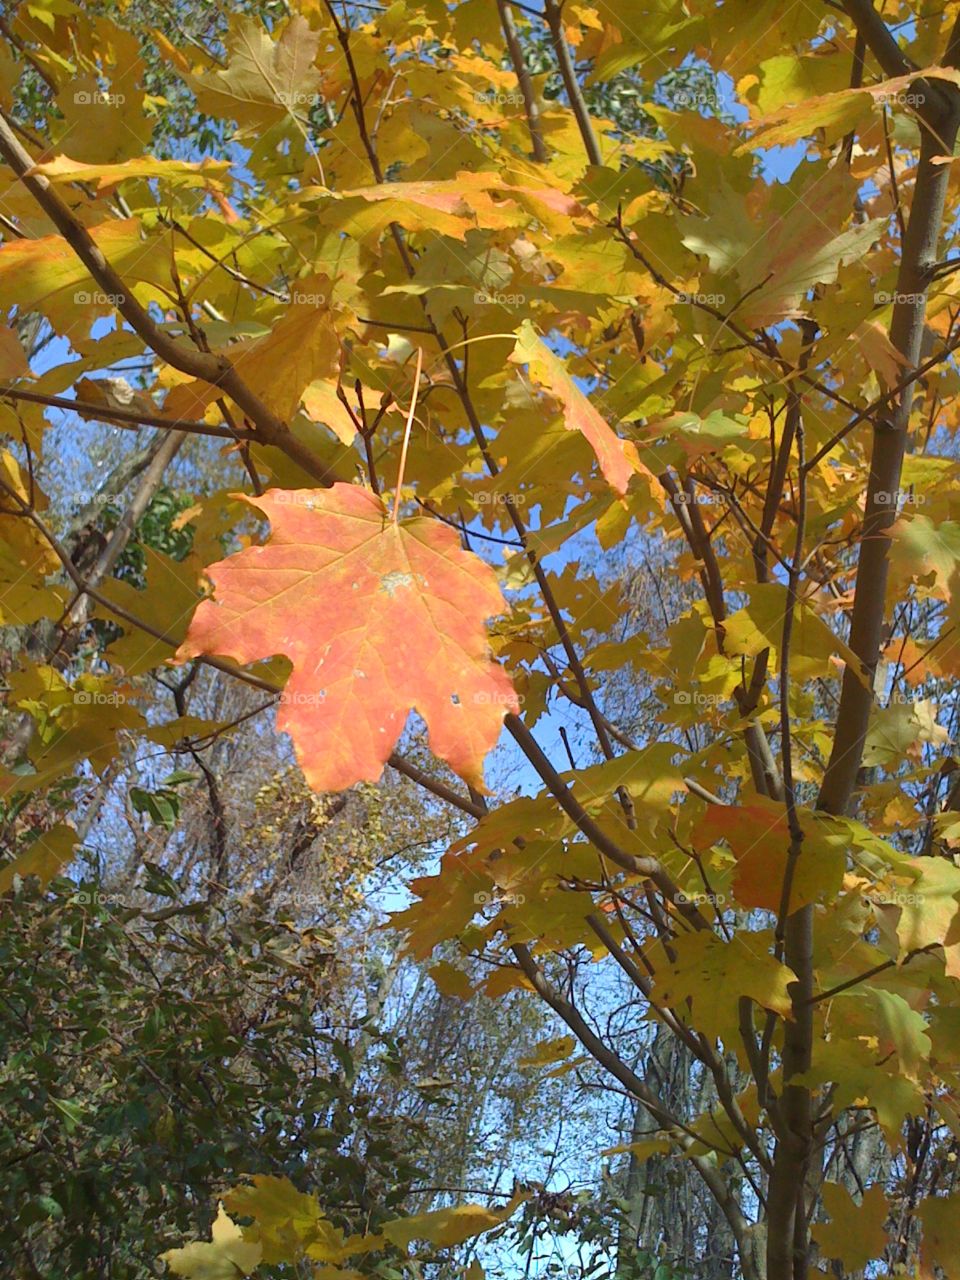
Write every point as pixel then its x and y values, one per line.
pixel 322 404
pixel 13 358
pixel 287 1221
pixel 376 619
pixel 856 1235
pixel 451 981
pixel 224 1257
pixel 759 838
pixel 300 347
pixel 617 458
pixel 264 80
pixel 759 626
pixel 206 173
pixel 940 1246
pixel 449 1226
pixel 46 856
pixel 768 272
pixel 712 974
pixel 45 275
pixel 928 551
pixel 835 113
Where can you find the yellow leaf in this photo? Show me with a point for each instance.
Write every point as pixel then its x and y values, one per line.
pixel 713 974
pixel 265 80
pixel 13 358
pixel 941 1242
pixel 617 458
pixel 322 404
pixel 226 1256
pixel 447 1227
pixel 300 347
pixel 45 858
pixel 856 1233
pixel 451 981
pixel 759 625
pixel 549 1051
pixel 205 173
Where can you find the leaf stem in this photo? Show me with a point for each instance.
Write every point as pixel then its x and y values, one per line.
pixel 406 436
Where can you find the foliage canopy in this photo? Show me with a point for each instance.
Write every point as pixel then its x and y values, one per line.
pixel 463 342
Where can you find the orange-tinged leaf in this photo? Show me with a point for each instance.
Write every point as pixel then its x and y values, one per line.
pixel 206 173
pixel 880 354
pixel 448 206
pixel 832 112
pixel 44 274
pixel 376 620
pixel 169 52
pixel 300 347
pixel 759 838
pixel 13 358
pixel 617 458
pixel 768 275
pixel 835 113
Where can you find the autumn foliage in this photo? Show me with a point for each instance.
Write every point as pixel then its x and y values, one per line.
pixel 457 337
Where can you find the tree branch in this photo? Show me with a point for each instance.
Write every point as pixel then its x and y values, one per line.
pixel 889 443
pixel 879 38
pixel 530 105
pixel 131 418
pixel 217 370
pixel 568 74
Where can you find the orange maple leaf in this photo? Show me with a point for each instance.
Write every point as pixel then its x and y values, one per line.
pixel 376 619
